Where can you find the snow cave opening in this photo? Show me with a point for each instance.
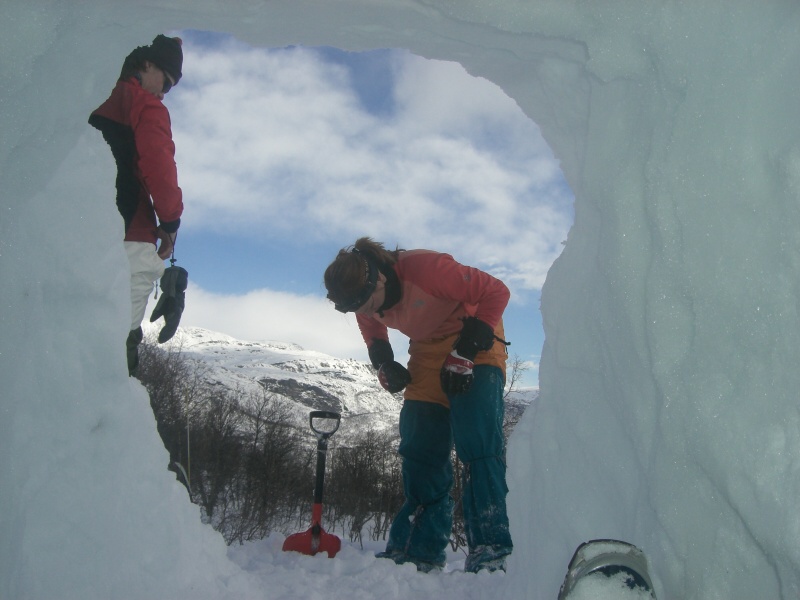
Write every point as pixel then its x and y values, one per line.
pixel 384 124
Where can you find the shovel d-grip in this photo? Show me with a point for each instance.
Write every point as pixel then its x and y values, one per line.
pixel 324 424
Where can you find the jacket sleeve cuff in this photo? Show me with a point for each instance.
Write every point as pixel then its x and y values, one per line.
pixel 380 352
pixel 170 226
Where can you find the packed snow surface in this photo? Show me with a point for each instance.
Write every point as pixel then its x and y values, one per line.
pixel 668 414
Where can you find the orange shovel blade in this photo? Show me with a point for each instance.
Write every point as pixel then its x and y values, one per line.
pixel 313 541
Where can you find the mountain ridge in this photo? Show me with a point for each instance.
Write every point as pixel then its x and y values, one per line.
pixel 303 380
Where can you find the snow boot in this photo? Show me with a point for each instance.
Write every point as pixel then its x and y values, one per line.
pixel 423 566
pixel 609 559
pixel 135 338
pixel 487 558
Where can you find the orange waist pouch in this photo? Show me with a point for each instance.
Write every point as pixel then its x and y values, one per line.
pixel 426 359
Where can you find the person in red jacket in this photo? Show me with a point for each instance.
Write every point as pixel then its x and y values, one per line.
pixel 453 392
pixel 136 125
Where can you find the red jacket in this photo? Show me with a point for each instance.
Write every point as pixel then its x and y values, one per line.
pixel 436 293
pixel 136 125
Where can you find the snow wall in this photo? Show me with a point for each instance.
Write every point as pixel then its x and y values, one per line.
pixel 668 414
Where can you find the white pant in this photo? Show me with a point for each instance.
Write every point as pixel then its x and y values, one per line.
pixel 146 269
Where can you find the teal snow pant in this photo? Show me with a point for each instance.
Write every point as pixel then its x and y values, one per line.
pixel 474 422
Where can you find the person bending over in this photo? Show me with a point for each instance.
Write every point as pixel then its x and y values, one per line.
pixel 453 392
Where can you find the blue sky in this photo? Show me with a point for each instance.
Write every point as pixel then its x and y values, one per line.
pixel 287 155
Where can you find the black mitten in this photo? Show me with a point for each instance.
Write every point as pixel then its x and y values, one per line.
pixel 456 374
pixel 475 336
pixel 172 301
pixel 393 376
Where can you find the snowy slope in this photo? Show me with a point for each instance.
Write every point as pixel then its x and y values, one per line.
pixel 305 379
pixel 308 380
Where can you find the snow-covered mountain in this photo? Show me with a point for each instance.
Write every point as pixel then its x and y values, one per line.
pixel 305 379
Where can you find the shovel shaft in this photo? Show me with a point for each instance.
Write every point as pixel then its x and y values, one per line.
pixel 316 515
pixel 322 452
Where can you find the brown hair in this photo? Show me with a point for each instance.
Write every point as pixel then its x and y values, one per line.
pixel 346 276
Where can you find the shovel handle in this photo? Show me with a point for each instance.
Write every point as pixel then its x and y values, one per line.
pixel 328 416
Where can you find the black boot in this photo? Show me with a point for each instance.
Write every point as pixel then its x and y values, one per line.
pixel 135 338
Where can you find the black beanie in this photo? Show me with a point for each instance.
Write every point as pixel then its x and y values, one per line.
pixel 165 52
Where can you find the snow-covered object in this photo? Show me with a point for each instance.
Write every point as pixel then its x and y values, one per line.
pixel 617 566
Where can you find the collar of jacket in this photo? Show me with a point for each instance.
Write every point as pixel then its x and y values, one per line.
pixel 393 289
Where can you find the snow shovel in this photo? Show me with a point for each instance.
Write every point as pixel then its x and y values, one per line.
pixel 315 539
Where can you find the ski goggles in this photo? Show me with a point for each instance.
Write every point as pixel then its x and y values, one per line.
pixel 167 83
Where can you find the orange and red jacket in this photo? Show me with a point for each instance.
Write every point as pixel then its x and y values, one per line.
pixel 436 294
pixel 137 127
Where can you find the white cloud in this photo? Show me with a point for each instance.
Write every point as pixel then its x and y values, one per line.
pixel 268 315
pixel 278 143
